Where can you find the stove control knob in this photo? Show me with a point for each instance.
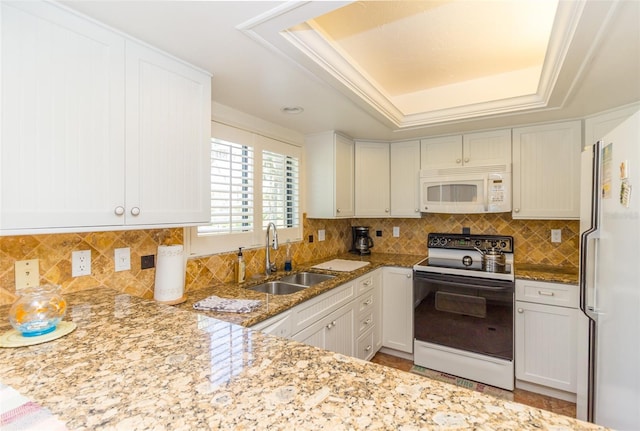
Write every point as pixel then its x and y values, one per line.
pixel 503 244
pixel 467 261
pixel 443 241
pixel 477 243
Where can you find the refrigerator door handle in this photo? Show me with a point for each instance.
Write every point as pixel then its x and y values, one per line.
pixel 590 236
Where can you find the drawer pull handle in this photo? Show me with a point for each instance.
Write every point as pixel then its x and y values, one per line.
pixel 331 325
pixel 543 293
pixel 520 310
pixel 369 302
pixel 367 283
pixel 367 322
pixel 368 348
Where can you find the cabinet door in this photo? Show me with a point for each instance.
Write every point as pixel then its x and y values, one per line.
pixel 546 171
pixel 344 181
pixel 62 142
pixel 442 152
pixel 405 179
pixel 487 148
pixel 168 140
pixel 372 179
pixel 546 345
pixel 397 309
pixel 334 332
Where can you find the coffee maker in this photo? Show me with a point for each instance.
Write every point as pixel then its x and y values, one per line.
pixel 361 241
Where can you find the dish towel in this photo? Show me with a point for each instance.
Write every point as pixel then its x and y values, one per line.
pixel 227 305
pixel 18 413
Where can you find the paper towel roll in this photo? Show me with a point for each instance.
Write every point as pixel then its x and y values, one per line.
pixel 169 285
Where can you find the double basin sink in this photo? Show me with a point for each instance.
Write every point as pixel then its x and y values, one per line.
pixel 291 283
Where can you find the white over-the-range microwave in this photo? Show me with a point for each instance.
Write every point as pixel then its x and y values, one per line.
pixel 482 189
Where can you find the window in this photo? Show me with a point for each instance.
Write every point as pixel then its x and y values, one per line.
pixel 254 181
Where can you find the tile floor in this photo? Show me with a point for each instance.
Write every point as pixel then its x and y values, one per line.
pixel 525 397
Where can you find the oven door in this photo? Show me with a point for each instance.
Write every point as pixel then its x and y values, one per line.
pixel 469 314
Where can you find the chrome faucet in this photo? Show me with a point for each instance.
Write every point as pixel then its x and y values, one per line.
pixel 271 266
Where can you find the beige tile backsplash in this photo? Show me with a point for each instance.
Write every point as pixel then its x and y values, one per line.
pixel 531 238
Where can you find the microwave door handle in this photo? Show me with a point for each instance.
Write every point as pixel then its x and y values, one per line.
pixel 486 194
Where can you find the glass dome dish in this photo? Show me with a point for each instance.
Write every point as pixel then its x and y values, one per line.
pixel 38 310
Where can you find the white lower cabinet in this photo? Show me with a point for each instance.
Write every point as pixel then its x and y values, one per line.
pixel 345 320
pixel 546 338
pixel 334 332
pixel 397 309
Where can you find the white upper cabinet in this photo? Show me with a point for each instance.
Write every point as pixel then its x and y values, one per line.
pixel 69 87
pixel 62 143
pixel 546 171
pixel 473 149
pixel 167 140
pixel 330 175
pixel 372 192
pixel 405 178
pixel 442 152
pixel 487 148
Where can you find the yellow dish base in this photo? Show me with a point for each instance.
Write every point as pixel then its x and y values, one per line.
pixel 13 338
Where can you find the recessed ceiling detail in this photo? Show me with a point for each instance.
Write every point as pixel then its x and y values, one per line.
pixel 418 63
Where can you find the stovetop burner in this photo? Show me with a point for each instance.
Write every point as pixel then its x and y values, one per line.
pixel 458 254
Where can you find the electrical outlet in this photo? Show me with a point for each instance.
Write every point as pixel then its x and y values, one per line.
pixel 147 262
pixel 27 273
pixel 80 263
pixel 321 234
pixel 556 235
pixel 122 257
pixel 396 231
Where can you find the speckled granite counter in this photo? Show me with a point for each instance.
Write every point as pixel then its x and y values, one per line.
pixel 275 304
pixel 133 364
pixel 550 273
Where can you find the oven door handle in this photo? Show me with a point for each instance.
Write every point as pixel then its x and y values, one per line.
pixel 493 285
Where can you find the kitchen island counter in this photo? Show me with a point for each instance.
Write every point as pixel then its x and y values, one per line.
pixel 133 364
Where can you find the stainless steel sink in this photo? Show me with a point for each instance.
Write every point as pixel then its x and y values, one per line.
pixel 306 278
pixel 277 288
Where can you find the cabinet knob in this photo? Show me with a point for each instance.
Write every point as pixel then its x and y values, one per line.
pixel 466 160
pixel 338 210
pixel 368 348
pixel 458 160
pixel 135 211
pixel 417 210
pixel 516 210
pixel 520 310
pixel 369 302
pixel 368 283
pixel 386 210
pixel 119 210
pixel 367 322
pixel 408 275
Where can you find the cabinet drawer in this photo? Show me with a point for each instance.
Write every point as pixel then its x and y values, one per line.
pixel 365 321
pixel 279 325
pixel 365 283
pixel 314 309
pixel 563 295
pixel 365 346
pixel 366 303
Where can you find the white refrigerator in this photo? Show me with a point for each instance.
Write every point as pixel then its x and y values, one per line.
pixel 609 370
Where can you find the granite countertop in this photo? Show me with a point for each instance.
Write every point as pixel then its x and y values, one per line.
pixel 549 273
pixel 133 364
pixel 275 304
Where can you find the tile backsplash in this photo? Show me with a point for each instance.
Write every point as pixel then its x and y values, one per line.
pixel 531 238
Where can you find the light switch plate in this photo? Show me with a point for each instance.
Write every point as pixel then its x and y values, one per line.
pixel 321 234
pixel 27 273
pixel 556 235
pixel 396 231
pixel 122 257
